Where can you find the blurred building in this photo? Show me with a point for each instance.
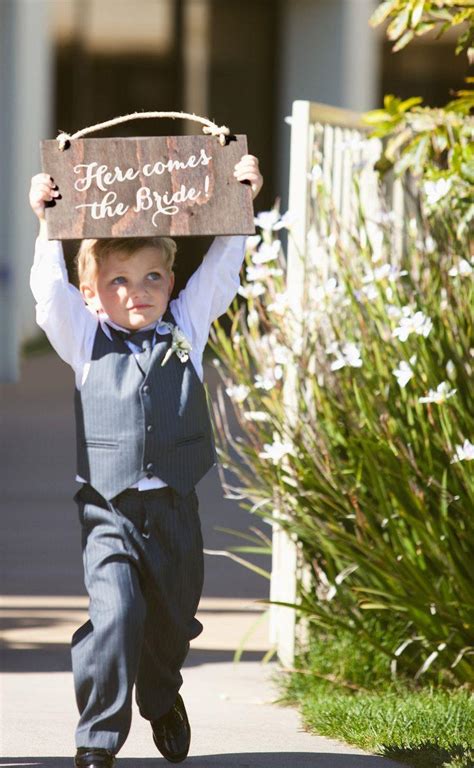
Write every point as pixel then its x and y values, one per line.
pixel 66 64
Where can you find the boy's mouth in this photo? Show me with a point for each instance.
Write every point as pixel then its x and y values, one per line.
pixel 141 306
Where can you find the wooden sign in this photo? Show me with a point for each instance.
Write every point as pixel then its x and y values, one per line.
pixel 145 186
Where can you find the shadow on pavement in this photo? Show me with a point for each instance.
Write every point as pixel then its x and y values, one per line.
pixel 57 658
pixel 234 760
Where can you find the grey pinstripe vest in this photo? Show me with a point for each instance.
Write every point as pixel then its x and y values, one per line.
pixel 135 417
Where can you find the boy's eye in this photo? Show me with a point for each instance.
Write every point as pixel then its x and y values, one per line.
pixel 119 280
pixel 154 276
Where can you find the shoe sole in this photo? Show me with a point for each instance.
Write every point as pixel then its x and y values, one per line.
pixel 177 759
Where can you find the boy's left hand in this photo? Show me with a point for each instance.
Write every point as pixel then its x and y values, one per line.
pixel 247 170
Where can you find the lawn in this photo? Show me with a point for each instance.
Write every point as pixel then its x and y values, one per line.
pixel 424 726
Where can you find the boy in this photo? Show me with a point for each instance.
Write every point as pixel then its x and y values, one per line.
pixel 144 440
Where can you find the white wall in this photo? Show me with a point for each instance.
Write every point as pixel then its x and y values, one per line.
pixel 25 96
pixel 328 53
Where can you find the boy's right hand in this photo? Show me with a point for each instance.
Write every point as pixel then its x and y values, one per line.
pixel 42 191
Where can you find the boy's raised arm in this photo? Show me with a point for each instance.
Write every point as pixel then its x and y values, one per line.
pixel 60 308
pixel 212 287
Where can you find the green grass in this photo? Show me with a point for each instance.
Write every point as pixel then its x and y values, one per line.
pixel 343 695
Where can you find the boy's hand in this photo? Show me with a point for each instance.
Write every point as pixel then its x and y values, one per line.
pixel 247 170
pixel 42 191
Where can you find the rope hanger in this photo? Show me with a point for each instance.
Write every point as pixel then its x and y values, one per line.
pixel 209 128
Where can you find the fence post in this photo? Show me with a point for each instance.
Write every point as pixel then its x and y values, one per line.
pixel 283 585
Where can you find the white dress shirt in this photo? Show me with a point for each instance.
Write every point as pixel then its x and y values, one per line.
pixel 71 326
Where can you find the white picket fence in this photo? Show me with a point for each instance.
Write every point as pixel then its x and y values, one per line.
pixel 332 143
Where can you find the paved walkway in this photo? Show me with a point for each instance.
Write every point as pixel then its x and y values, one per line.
pixel 235 721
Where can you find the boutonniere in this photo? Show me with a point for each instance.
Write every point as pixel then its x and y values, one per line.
pixel 179 344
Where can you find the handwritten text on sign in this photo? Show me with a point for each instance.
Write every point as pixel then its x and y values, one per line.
pixel 147 186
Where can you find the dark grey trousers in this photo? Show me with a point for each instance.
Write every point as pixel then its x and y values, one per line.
pixel 143 570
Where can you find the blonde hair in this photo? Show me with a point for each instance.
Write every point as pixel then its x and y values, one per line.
pixel 93 252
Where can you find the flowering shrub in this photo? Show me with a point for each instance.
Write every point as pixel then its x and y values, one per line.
pixel 413 18
pixel 358 424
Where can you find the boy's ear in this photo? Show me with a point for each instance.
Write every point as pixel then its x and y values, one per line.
pixel 90 295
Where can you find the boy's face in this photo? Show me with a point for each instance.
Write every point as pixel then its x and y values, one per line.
pixel 133 291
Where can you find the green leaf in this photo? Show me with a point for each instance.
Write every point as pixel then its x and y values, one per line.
pixel 424 27
pixel 404 40
pixel 399 24
pixel 409 103
pixel 375 116
pixel 382 11
pixel 417 13
pixel 249 550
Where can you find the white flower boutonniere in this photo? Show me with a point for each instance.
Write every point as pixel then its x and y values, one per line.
pixel 179 344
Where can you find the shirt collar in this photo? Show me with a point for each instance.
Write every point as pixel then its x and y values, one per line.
pixel 105 322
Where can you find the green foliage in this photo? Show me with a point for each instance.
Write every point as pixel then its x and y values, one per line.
pixel 427 728
pixel 412 18
pixel 357 406
pixel 372 480
pixel 434 145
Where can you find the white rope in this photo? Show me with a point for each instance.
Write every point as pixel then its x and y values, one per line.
pixel 210 128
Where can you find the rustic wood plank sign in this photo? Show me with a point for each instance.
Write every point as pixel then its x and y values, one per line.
pixel 145 186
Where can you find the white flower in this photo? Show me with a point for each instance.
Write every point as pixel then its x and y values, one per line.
pixel 370 292
pixel 251 291
pixel 404 372
pixel 393 311
pixel 238 393
pixel 464 452
pixel 271 350
pixel 349 355
pixel 438 395
pixel 179 344
pixel 252 242
pixel 328 290
pixel 252 318
pixel 267 252
pixel 385 271
pixel 262 382
pixel 435 190
pixel 280 304
pixel 262 272
pixel 257 416
pixel 272 221
pixel 268 378
pixel 450 369
pixel 332 348
pixel 430 244
pixel 316 173
pixel 463 269
pixel 417 323
pixel 276 450
pixel 267 219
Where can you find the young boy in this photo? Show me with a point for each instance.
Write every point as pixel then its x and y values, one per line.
pixel 144 439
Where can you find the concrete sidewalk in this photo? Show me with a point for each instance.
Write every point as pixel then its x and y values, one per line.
pixel 235 721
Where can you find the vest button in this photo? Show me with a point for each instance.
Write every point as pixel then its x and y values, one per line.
pixel 146 389
pixel 149 467
pixel 149 428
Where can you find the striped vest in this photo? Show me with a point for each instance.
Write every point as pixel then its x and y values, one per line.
pixel 136 418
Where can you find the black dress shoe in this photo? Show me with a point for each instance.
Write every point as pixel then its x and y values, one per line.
pixel 94 757
pixel 172 732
